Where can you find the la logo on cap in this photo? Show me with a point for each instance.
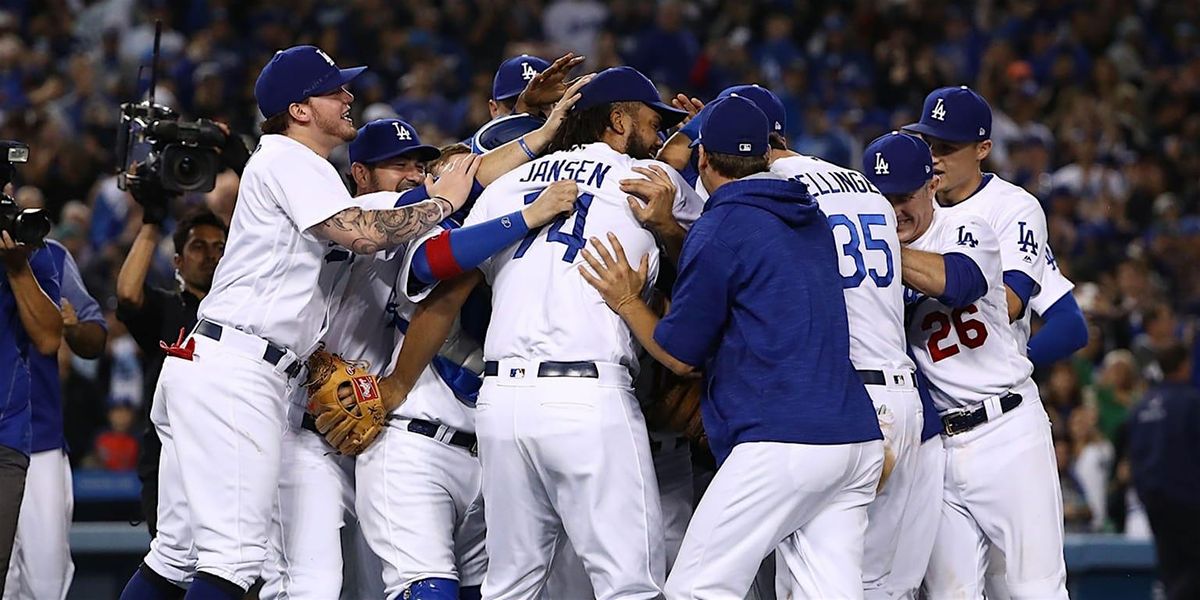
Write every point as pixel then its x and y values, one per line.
pixel 881 166
pixel 325 56
pixel 527 71
pixel 939 110
pixel 402 133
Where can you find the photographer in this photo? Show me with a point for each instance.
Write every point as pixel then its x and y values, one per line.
pixel 154 315
pixel 29 322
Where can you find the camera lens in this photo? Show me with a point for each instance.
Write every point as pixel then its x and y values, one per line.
pixel 187 169
pixel 31 227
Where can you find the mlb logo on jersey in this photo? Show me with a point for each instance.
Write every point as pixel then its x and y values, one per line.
pixel 881 166
pixel 527 71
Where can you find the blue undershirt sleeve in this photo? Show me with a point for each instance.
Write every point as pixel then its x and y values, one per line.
pixel 1022 285
pixel 965 282
pixel 460 250
pixel 1064 330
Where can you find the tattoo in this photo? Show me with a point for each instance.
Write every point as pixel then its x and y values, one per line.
pixel 369 231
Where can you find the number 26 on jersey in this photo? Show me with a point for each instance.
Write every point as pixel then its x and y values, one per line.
pixel 965 331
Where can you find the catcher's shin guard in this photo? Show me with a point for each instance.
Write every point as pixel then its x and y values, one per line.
pixel 434 588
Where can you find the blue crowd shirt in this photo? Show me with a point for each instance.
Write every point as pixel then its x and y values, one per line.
pixel 759 306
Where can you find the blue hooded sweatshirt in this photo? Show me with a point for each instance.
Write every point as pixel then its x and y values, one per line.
pixel 759 306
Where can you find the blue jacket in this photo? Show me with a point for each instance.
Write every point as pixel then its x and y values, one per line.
pixel 1164 443
pixel 759 305
pixel 15 347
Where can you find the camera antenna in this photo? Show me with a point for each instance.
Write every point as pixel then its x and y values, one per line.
pixel 154 60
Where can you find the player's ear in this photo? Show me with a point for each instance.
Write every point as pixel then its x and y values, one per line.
pixel 617 120
pixel 300 111
pixel 934 183
pixel 358 172
pixel 701 158
pixel 983 149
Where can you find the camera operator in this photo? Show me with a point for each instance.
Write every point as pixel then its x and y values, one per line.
pixel 41 565
pixel 153 315
pixel 30 321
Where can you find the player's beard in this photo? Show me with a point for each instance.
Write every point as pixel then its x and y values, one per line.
pixel 336 126
pixel 637 146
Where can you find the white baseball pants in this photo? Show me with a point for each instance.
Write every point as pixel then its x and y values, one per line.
pixel 41 566
pixel 898 407
pixel 221 418
pixel 568 457
pixel 919 524
pixel 810 501
pixel 420 506
pixel 1001 489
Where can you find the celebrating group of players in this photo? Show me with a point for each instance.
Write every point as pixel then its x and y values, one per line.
pixel 513 296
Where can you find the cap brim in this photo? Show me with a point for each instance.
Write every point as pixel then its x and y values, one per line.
pixel 344 76
pixel 423 153
pixel 671 116
pixel 933 132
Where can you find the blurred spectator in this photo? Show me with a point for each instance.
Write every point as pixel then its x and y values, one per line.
pixel 1118 389
pixel 1164 452
pixel 1092 461
pixel 1077 515
pixel 116 448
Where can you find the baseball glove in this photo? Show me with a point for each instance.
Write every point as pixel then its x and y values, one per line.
pixel 679 409
pixel 344 399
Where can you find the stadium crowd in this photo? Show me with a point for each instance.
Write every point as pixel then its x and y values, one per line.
pixel 1097 113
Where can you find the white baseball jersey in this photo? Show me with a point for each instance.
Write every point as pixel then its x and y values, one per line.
pixel 970 353
pixel 1020 226
pixel 359 326
pixel 541 308
pixel 274 280
pixel 864 229
pixel 1054 286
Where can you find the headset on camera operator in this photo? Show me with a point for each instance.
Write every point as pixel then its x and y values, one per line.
pixel 30 321
pixel 153 315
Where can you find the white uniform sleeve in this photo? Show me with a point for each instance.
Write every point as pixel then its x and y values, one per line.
pixel 308 195
pixel 688 203
pixel 1055 285
pixel 971 236
pixel 1023 240
pixel 407 285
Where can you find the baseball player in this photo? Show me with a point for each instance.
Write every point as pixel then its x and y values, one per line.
pixel 737 308
pixel 995 429
pixel 387 156
pixel 542 84
pixel 220 405
pixel 41 565
pixel 559 429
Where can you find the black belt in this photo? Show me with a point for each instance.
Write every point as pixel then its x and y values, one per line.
pixel 310 423
pixel 585 368
pixel 429 429
pixel 962 422
pixel 272 355
pixel 670 444
pixel 870 377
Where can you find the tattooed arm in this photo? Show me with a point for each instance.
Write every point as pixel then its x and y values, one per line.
pixel 369 231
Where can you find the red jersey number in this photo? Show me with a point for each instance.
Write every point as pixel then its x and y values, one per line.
pixel 970 333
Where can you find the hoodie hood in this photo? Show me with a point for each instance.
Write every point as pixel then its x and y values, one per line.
pixel 786 199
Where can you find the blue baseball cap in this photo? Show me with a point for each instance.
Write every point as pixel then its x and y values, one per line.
pixel 897 163
pixel 626 84
pixel 765 100
pixel 298 73
pixel 954 114
pixel 735 126
pixel 380 140
pixel 514 74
